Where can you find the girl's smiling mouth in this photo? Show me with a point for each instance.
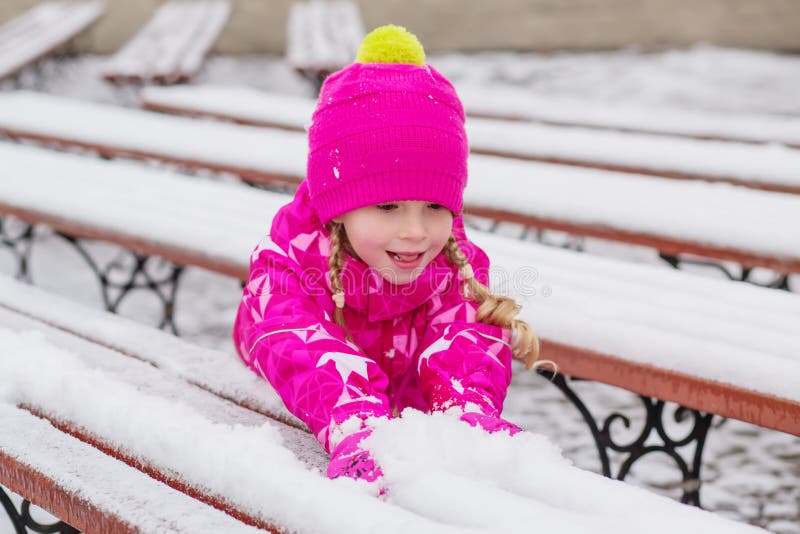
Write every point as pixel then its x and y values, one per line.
pixel 405 259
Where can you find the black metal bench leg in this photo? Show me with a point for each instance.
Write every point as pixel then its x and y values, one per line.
pixel 19 243
pixel 130 272
pixel 643 444
pixel 781 281
pixel 24 523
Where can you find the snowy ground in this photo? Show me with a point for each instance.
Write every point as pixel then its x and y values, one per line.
pixel 749 474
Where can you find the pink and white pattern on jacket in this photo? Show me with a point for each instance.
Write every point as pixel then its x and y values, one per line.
pixel 416 345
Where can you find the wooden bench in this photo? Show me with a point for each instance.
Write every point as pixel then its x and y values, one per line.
pixel 521 105
pixel 772 168
pixel 171 47
pixel 322 37
pixel 676 217
pixel 664 334
pixel 42 31
pixel 120 428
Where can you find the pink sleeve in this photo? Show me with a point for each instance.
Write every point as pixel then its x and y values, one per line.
pixel 284 332
pixel 465 363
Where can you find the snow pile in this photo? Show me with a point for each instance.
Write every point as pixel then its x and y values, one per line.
pixel 441 475
pixel 213 370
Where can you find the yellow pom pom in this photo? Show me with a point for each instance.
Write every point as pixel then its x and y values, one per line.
pixel 391 44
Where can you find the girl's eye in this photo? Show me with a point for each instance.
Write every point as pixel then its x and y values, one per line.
pixel 435 206
pixel 387 207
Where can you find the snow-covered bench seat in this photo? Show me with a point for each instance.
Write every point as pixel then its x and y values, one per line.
pixel 519 104
pixel 716 221
pixel 43 30
pixel 689 326
pixel 322 36
pixel 119 428
pixel 171 47
pixel 760 166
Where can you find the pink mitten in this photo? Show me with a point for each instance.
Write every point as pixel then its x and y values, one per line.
pixel 348 459
pixel 489 423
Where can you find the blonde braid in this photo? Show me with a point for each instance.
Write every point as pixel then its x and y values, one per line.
pixel 495 309
pixel 335 265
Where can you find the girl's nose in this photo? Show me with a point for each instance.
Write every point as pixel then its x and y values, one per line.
pixel 413 227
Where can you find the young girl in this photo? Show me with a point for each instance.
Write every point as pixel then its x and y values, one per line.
pixel 368 297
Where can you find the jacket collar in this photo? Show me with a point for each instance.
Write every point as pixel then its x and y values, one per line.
pixel 370 293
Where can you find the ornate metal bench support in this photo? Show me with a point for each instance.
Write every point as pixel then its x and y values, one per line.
pixel 23 522
pixel 19 244
pixel 131 271
pixel 642 445
pixel 781 281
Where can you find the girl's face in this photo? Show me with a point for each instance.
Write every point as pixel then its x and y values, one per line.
pixel 398 239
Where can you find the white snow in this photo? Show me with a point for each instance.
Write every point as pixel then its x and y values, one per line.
pixel 765 164
pixel 658 119
pixel 441 475
pixel 242 147
pixel 238 102
pixel 717 214
pixel 213 370
pixel 110 485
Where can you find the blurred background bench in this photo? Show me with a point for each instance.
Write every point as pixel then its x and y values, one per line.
pixel 43 30
pixel 322 37
pixel 172 46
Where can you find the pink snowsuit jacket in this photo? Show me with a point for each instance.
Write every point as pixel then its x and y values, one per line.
pixel 416 345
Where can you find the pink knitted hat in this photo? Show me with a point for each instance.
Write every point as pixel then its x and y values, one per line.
pixel 386 132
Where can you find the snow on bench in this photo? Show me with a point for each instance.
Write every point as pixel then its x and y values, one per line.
pixel 715 221
pixel 713 345
pixel 256 154
pixel 41 31
pixel 516 104
pixel 172 45
pixel 239 104
pixel 322 37
pixel 183 459
pixel 770 167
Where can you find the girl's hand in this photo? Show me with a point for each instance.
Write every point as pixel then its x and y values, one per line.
pixel 348 459
pixel 489 423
